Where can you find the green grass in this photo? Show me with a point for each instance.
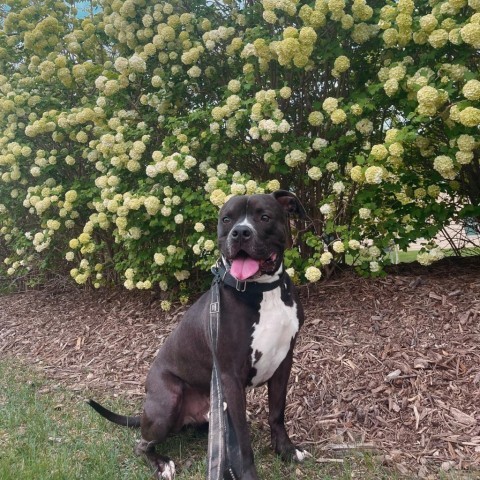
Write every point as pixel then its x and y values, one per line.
pixel 49 433
pixel 407 257
pixel 403 257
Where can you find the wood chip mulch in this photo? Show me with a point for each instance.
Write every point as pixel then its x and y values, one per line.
pixel 390 366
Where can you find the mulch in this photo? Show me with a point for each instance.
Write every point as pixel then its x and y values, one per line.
pixel 390 366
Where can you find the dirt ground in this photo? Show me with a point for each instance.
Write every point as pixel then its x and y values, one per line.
pixel 389 366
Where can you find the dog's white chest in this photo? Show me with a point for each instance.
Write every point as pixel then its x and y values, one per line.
pixel 272 335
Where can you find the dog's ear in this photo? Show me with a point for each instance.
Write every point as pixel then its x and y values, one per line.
pixel 290 203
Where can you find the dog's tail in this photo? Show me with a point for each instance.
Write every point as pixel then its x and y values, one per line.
pixel 132 422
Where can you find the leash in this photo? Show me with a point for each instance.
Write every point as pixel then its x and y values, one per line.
pixel 224 461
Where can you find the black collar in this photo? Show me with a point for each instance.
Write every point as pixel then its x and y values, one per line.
pixel 223 276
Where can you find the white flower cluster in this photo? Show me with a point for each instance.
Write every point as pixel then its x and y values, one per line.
pixel 444 165
pixel 295 158
pixel 430 256
pixel 177 164
pixel 313 274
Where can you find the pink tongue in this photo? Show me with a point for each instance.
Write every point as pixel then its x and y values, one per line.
pixel 243 268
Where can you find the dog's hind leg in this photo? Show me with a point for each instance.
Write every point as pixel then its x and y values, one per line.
pixel 163 466
pixel 161 416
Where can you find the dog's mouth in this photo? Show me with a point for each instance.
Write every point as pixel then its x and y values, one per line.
pixel 243 267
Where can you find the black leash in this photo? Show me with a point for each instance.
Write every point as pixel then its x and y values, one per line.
pixel 224 461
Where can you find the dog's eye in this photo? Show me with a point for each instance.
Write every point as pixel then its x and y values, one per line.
pixel 226 220
pixel 265 218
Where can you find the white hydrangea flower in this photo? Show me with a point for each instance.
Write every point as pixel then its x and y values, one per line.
pixel 443 164
pixel 159 259
pixel 295 157
pixel 180 175
pixel 218 197
pixel 165 305
pixel 374 266
pixel 283 127
pixel 251 187
pixel 374 175
pixel 315 118
pixel 331 166
pixel 189 162
pixel 326 258
pixel 194 72
pixel 166 211
pixel 341 64
pixel 313 274
pixel 471 90
pixel 354 244
pixel 330 104
pixel 338 116
pixel 234 86
pixel 338 187
pixel 466 143
pixel 319 143
pixel 338 246
pixel 182 275
pixel 273 185
pixel 464 158
pixel 314 173
pixel 326 210
pixel 379 152
pixel 364 213
pixel 238 189
pixel 285 92
pixel 209 245
pixel 137 63
pixel 276 146
pixel 364 126
pixel 254 132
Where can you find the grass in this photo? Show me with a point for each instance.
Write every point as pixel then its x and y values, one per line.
pixel 408 256
pixel 403 257
pixel 49 433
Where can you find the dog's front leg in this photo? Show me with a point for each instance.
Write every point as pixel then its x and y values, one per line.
pixel 236 407
pixel 277 393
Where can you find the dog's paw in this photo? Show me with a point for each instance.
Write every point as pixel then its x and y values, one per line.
pixel 167 472
pixel 301 455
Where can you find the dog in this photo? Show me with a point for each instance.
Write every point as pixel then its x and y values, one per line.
pixel 260 319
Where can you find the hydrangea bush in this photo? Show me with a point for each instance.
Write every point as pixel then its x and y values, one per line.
pixel 121 134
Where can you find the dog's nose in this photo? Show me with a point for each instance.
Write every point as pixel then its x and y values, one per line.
pixel 241 232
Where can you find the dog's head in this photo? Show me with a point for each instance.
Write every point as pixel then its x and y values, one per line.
pixel 252 232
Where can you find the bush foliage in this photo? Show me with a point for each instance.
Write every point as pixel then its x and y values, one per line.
pixel 122 133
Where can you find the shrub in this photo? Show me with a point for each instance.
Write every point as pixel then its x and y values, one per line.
pixel 122 133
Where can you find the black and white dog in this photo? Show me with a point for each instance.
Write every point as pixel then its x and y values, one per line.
pixel 260 319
